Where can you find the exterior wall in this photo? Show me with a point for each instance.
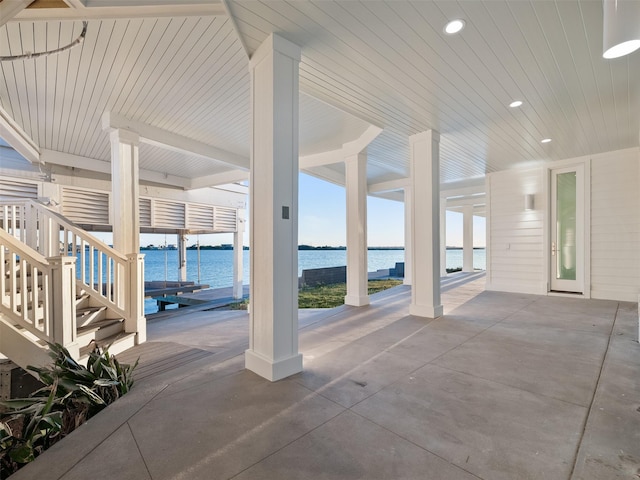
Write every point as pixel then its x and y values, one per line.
pixel 615 225
pixel 517 257
pixel 515 237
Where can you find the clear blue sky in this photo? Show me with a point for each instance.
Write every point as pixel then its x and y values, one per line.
pixel 322 221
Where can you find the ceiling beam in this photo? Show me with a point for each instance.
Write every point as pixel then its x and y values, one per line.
pixel 470 200
pixel 11 132
pixel 478 210
pixel 119 9
pixel 463 187
pixel 100 166
pixel 320 159
pixel 326 174
pixel 232 176
pixel 234 24
pixel 336 156
pixel 171 141
pixel 9 9
pixel 358 145
pixel 389 186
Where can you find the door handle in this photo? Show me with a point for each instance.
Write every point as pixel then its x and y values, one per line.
pixel 553 249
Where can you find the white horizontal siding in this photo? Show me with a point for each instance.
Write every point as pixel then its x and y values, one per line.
pixel 615 225
pixel 515 236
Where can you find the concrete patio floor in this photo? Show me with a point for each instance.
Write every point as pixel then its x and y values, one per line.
pixel 504 386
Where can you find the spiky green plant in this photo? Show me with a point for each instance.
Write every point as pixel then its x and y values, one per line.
pixel 72 394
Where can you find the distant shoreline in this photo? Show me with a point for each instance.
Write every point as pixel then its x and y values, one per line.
pixel 300 248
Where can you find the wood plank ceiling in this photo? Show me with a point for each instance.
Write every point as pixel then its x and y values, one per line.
pixel 386 63
pixel 390 63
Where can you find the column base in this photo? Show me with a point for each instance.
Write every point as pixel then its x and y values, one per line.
pixel 271 370
pixel 140 330
pixel 238 291
pixel 425 311
pixel 357 300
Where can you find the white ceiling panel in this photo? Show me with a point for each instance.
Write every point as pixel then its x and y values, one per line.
pixel 187 75
pixel 390 63
pixel 372 62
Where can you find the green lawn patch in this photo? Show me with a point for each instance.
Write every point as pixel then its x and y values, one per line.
pixel 329 296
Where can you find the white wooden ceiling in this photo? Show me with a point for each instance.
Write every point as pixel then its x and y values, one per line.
pixel 182 67
pixel 390 63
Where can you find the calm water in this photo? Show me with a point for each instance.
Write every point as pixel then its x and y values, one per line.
pixel 216 266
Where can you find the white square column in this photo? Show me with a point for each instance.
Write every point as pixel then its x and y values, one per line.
pixel 273 336
pixel 238 257
pixel 182 257
pixel 408 236
pixel 357 272
pixel 467 238
pixel 425 190
pixel 125 191
pixel 125 200
pixel 443 237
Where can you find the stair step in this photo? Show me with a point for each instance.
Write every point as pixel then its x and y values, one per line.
pixel 88 315
pixel 98 324
pixel 99 330
pixel 82 301
pixel 118 343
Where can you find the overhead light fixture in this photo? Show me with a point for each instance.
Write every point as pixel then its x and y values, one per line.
pixel 515 103
pixel 545 140
pixel 621 29
pixel 454 26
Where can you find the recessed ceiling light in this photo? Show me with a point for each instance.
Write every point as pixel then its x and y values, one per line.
pixel 454 26
pixel 515 103
pixel 545 140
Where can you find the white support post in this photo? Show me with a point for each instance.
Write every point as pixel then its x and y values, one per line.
pixel 273 336
pixel 135 321
pixel 443 236
pixel 182 257
pixel 238 254
pixel 357 272
pixel 467 238
pixel 63 297
pixel 408 236
pixel 125 191
pixel 425 189
pixel 126 227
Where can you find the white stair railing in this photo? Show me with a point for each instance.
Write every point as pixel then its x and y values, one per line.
pixel 37 293
pixel 103 272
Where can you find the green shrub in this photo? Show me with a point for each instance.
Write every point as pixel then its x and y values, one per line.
pixel 72 394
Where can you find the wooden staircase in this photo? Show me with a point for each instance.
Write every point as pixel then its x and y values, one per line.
pixel 46 299
pixel 94 327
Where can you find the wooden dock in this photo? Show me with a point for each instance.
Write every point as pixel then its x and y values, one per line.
pixel 189 295
pixel 167 293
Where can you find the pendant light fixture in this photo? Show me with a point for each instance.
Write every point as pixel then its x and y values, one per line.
pixel 621 29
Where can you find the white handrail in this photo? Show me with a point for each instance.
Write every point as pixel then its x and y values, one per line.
pixel 101 270
pixel 24 283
